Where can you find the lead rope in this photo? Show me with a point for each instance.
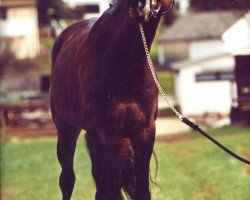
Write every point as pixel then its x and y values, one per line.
pixel 181 117
pixel 152 69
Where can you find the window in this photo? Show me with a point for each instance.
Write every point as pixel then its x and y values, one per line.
pixel 214 76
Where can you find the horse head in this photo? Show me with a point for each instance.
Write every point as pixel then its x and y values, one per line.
pixel 145 9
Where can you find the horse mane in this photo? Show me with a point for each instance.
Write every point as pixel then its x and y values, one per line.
pixel 112 29
pixel 117 54
pixel 116 37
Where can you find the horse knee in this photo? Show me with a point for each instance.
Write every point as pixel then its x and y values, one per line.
pixel 148 135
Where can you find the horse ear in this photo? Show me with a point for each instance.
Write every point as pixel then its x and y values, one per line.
pixel 155 4
pixel 141 4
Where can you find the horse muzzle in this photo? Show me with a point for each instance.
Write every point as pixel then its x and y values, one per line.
pixel 154 8
pixel 146 9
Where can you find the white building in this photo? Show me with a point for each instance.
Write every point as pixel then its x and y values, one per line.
pixel 19 27
pixel 237 43
pixel 204 71
pixel 195 36
pixel 206 85
pixel 183 6
pixel 237 37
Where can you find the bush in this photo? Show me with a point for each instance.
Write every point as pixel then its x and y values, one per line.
pixel 6 58
pixel 24 65
pixel 9 64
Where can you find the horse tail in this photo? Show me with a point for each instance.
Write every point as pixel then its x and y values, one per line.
pixel 128 176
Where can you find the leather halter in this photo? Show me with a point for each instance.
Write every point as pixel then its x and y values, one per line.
pixel 152 8
pixel 155 8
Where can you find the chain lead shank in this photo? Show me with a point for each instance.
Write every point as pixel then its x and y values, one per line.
pixel 182 118
pixel 152 69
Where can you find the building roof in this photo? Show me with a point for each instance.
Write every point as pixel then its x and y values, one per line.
pixel 17 3
pixel 198 26
pixel 237 37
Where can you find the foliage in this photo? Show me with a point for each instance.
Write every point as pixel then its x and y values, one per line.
pixel 44 60
pixel 47 43
pixel 57 9
pixel 50 9
pixel 76 12
pixel 192 168
pixel 23 65
pixel 166 80
pixel 44 63
pixel 9 64
pixel 207 5
pixel 6 59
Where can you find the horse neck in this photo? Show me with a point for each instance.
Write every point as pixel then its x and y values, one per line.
pixel 150 29
pixel 115 42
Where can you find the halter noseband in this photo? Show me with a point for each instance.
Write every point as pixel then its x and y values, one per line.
pixel 152 8
pixel 155 8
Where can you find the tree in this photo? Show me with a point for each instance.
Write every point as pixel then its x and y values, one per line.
pixel 50 9
pixel 208 5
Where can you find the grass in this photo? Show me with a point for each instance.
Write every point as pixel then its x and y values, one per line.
pixel 44 61
pixel 190 169
pixel 44 64
pixel 166 81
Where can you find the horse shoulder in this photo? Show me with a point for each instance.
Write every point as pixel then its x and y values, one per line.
pixel 67 62
pixel 69 34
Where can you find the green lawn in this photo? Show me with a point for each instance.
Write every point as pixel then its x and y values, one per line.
pixel 190 169
pixel 166 81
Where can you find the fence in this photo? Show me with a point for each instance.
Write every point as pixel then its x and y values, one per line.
pixel 31 116
pixel 20 84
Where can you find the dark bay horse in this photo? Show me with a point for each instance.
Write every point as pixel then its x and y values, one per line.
pixel 101 83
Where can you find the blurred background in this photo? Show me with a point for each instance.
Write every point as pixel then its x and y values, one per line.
pixel 202 56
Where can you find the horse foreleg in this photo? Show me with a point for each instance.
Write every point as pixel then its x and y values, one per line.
pixel 108 157
pixel 143 148
pixel 66 144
